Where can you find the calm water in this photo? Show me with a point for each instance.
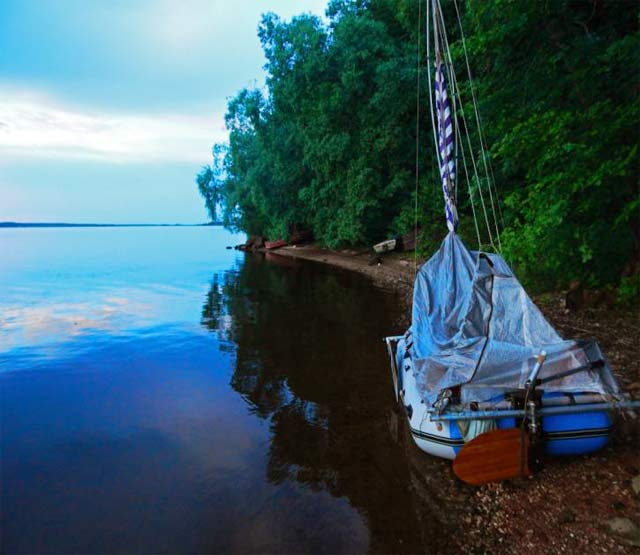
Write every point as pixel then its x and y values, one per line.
pixel 161 394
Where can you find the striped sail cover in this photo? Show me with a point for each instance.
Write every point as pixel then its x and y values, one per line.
pixel 445 147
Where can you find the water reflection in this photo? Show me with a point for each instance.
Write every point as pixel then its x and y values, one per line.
pixel 161 394
pixel 310 362
pixel 58 322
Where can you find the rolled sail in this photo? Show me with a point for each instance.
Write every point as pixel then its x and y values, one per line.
pixel 444 122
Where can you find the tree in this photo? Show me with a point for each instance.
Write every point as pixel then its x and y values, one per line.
pixel 330 144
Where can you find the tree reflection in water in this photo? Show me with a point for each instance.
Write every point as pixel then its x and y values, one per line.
pixel 310 360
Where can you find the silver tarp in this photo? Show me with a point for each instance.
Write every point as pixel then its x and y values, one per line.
pixel 474 326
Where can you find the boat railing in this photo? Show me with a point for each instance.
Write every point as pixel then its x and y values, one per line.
pixel 544 411
pixel 390 342
pixel 493 411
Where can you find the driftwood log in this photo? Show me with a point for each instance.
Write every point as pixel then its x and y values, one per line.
pixel 253 243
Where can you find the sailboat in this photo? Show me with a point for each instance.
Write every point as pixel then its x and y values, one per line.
pixel 480 371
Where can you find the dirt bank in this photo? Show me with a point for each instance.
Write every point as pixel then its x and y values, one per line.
pixel 571 504
pixel 395 270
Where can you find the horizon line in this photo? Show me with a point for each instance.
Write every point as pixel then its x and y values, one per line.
pixel 13 224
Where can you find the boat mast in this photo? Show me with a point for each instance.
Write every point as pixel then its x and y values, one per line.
pixel 442 119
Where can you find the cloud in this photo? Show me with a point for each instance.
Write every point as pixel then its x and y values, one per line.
pixel 35 126
pixel 29 325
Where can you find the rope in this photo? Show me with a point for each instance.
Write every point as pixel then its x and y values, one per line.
pixel 435 172
pixel 466 173
pixel 483 141
pixel 415 215
pixel 454 105
pixel 433 116
pixel 441 43
pixel 483 148
pixel 438 11
pixel 449 190
pixel 430 95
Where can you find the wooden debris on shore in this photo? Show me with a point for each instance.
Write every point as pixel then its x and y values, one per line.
pixel 254 242
pixel 385 246
pixel 406 242
pixel 296 236
pixel 272 245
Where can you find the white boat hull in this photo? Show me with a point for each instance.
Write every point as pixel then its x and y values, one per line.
pixel 440 439
pixel 564 435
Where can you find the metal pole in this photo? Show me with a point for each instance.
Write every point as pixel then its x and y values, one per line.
pixel 545 411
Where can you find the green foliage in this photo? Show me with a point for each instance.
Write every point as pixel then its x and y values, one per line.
pixel 559 83
pixel 330 144
pixel 207 189
pixel 629 291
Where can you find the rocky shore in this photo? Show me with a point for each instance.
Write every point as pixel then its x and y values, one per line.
pixel 585 504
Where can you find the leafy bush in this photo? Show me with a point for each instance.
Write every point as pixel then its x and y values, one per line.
pixel 330 145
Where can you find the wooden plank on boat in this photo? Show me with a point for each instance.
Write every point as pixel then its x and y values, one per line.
pixel 494 456
pixel 385 246
pixel 270 245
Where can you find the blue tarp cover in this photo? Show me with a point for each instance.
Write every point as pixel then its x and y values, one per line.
pixel 474 326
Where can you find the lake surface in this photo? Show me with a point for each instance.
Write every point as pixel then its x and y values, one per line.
pixel 161 394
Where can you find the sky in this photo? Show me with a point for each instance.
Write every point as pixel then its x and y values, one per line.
pixel 108 108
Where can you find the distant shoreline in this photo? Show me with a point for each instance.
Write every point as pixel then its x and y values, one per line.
pixel 55 224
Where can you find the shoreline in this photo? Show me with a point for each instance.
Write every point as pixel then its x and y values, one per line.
pixel 396 271
pixel 572 504
pixel 617 330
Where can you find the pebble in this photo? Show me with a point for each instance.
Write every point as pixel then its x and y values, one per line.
pixel 635 485
pixel 624 530
pixel 566 517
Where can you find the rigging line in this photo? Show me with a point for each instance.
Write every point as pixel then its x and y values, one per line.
pixel 478 116
pixel 447 182
pixel 453 92
pixel 495 188
pixel 466 127
pixel 435 178
pixel 415 207
pixel 430 95
pixel 466 173
pixel 454 81
pixel 432 204
pixel 483 148
pixel 477 177
pixel 448 70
